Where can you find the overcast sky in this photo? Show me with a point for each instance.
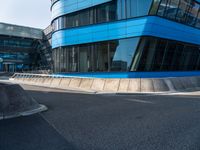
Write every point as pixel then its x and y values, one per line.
pixel 33 13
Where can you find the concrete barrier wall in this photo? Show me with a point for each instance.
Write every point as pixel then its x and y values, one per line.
pixel 132 85
pixel 123 85
pixel 55 82
pixel 98 84
pixel 64 83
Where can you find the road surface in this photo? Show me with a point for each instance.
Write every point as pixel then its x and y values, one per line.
pixel 81 121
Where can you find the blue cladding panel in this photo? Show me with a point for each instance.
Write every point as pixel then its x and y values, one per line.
pixel 144 26
pixel 68 6
pixel 131 74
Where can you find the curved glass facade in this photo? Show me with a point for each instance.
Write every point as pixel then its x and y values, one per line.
pixel 107 12
pixel 183 11
pixel 155 54
pixel 152 54
pixel 53 1
pixel 128 35
pixel 106 56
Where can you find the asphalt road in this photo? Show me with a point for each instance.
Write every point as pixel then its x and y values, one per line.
pixel 81 121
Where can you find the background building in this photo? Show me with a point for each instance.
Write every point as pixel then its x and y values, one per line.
pixel 22 48
pixel 125 35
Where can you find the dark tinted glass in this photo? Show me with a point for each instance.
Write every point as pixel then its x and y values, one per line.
pixel 163 55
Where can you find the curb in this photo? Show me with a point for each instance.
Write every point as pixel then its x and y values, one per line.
pixel 25 113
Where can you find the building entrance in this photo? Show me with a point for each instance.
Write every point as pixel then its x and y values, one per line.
pixel 9 67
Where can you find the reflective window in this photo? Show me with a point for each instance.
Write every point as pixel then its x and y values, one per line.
pixel 192 14
pixel 123 51
pixel 171 9
pixel 156 54
pixel 102 57
pixel 15 42
pixel 198 21
pixel 73 59
pixel 152 54
pixel 111 11
pixel 162 6
pixel 183 11
pixel 154 7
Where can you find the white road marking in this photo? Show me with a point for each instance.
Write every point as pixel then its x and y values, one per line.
pixel 139 101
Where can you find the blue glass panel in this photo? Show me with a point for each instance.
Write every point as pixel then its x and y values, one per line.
pixel 124 54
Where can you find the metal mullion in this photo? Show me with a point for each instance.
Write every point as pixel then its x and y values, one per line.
pixel 158 6
pixel 197 16
pixel 164 55
pixel 187 12
pixel 198 62
pixel 166 7
pixel 109 63
pixel 78 57
pixel 179 2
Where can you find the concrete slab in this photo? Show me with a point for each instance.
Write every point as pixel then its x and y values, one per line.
pixel 86 83
pixel 160 85
pixel 47 81
pixel 55 82
pixel 111 85
pixel 98 84
pixel 75 83
pixel 34 80
pixel 194 81
pixel 30 79
pixel 27 79
pixel 64 83
pixel 40 81
pixel 123 85
pixel 177 83
pixel 147 85
pixel 169 84
pixel 198 80
pixel 187 83
pixel 21 78
pixel 134 85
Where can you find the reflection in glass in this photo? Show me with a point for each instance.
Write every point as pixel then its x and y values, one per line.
pixel 184 11
pixel 156 54
pixel 123 51
pixel 107 12
pixel 102 57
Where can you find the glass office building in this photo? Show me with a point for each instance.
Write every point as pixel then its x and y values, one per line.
pixel 21 48
pixel 125 35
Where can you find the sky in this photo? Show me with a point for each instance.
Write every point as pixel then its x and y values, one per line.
pixel 32 13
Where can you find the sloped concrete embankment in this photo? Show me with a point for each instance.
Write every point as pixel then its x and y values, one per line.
pixel 15 102
pixel 111 85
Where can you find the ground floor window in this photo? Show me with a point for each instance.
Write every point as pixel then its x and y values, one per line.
pixel 154 54
pixel 96 57
pixel 133 54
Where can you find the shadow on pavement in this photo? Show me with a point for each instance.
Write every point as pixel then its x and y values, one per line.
pixel 30 133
